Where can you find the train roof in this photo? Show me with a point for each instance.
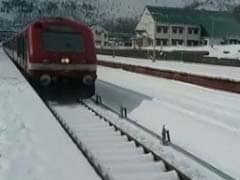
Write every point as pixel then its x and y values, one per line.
pixel 53 20
pixel 50 20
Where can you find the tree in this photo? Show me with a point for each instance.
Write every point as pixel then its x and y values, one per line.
pixel 236 12
pixel 121 24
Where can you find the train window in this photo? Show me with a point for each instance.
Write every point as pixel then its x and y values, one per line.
pixel 62 39
pixel 64 29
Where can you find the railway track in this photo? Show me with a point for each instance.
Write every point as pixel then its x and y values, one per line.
pixel 219 173
pixel 114 154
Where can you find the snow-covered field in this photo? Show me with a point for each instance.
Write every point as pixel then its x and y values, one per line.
pixel 33 146
pixel 222 72
pixel 203 121
pixel 218 51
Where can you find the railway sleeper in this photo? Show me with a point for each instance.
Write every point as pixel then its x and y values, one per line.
pixel 132 167
pixel 171 175
pixel 122 150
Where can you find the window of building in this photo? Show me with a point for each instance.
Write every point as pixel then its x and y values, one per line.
pixel 192 43
pixel 162 29
pixel 162 42
pixel 195 43
pixel 177 30
pixel 180 30
pixel 98 32
pixel 165 30
pixel 180 42
pixel 193 31
pixel 98 43
pixel 196 31
pixel 174 30
pixel 233 41
pixel 176 42
pixel 190 31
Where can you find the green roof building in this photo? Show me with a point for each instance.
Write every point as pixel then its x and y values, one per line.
pixel 174 26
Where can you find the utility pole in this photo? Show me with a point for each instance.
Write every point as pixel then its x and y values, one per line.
pixel 212 32
pixel 154 42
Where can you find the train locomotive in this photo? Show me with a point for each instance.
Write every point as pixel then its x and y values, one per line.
pixel 53 50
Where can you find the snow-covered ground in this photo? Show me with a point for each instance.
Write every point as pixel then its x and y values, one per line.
pixel 218 51
pixel 203 121
pixel 32 143
pixel 222 72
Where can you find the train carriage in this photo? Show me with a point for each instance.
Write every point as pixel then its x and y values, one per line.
pixel 52 49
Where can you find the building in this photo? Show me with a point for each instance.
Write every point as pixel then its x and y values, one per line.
pixel 101 36
pixel 120 39
pixel 162 26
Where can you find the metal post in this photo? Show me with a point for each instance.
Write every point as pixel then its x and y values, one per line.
pixel 98 99
pixel 212 32
pixel 154 43
pixel 166 140
pixel 164 135
pixel 123 112
pixel 168 137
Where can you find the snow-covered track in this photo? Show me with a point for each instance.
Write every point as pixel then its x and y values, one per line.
pixel 114 154
pixel 176 147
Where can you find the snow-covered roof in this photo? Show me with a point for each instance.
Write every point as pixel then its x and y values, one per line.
pixel 213 23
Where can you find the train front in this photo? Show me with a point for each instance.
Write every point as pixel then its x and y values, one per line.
pixel 62 50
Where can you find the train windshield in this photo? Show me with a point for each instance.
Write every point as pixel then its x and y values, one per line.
pixel 62 39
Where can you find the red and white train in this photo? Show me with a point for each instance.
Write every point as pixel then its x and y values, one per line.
pixel 52 49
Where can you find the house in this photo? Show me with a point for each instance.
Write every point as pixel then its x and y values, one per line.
pixel 101 36
pixel 120 39
pixel 164 26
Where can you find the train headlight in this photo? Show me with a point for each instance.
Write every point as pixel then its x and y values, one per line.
pixel 65 60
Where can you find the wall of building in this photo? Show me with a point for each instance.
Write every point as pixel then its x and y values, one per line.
pixel 101 36
pixel 146 24
pixel 177 34
pixel 163 34
pixel 212 41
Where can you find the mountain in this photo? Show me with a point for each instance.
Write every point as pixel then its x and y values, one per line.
pixel 118 8
pixel 21 12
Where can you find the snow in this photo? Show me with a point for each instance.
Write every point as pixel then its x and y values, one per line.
pixel 218 51
pixel 32 143
pixel 203 121
pixel 231 51
pixel 112 153
pixel 215 71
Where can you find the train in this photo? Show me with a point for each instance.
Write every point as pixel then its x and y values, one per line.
pixel 53 50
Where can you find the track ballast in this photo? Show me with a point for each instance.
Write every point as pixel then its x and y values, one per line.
pixel 114 154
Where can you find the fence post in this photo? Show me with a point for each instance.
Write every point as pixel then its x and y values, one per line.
pixel 123 112
pixel 166 140
pixel 168 137
pixel 98 99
